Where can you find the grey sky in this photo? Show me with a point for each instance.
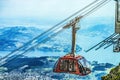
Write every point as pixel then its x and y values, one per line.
pixel 36 11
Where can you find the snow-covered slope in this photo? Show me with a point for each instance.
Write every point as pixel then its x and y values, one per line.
pixel 13 37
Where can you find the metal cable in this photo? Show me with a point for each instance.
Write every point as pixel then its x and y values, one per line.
pixel 97 7
pixel 101 42
pixel 23 53
pixel 48 30
pixel 54 29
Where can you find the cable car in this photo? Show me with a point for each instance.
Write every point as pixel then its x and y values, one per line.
pixel 71 63
pixel 74 65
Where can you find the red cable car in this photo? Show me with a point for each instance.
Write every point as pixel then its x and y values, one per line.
pixel 71 63
pixel 74 65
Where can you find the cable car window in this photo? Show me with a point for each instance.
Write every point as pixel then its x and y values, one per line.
pixel 82 62
pixel 67 65
pixel 84 66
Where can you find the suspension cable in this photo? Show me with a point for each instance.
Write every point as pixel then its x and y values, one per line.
pixel 97 7
pixel 24 52
pixel 54 28
pixel 48 30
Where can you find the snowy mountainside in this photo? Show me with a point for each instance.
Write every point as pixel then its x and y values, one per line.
pixel 14 37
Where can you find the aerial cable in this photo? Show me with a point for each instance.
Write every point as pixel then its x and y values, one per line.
pixel 93 8
pixel 109 40
pixel 75 14
pixel 47 30
pixel 101 42
pixel 24 52
pixel 58 28
pixel 36 38
pixel 97 4
pixel 89 8
pixel 96 7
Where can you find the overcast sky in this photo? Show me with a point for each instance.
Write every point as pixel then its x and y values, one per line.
pixel 34 12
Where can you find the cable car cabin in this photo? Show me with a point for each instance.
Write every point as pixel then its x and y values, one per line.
pixel 74 65
pixel 71 63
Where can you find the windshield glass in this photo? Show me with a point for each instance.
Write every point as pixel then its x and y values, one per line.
pixel 84 62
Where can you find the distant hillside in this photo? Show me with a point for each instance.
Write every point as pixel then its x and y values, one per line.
pixel 113 75
pixel 12 38
pixel 102 30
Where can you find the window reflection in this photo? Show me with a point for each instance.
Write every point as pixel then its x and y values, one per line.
pixel 84 66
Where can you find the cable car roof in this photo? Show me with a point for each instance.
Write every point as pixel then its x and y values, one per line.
pixel 68 56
